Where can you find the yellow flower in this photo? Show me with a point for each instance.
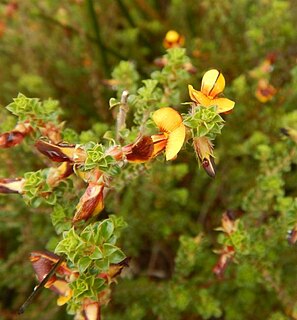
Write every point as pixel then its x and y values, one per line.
pixel 173 40
pixel 213 84
pixel 170 123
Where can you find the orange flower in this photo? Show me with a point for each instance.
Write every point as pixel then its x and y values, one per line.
pixel 173 40
pixel 213 84
pixel 170 123
pixel 265 91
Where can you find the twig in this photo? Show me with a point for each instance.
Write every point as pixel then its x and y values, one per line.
pixel 148 9
pixel 41 285
pixel 100 45
pixel 121 117
pixel 126 13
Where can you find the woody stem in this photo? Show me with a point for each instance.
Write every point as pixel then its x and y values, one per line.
pixel 121 117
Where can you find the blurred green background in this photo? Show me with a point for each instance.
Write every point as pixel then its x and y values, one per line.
pixel 68 50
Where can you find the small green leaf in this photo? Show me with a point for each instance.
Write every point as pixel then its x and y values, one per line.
pixel 84 263
pixel 102 264
pixel 97 254
pixel 116 256
pixel 108 249
pixel 106 229
pixel 113 103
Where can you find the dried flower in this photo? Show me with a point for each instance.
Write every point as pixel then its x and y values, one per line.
pixel 61 152
pixel 11 185
pixel 43 262
pixel 91 203
pixel 204 150
pixel 14 137
pixel 226 256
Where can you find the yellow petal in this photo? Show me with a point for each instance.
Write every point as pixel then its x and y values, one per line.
pixel 172 36
pixel 62 287
pixel 223 104
pixel 213 83
pixel 175 142
pixel 167 119
pixel 199 97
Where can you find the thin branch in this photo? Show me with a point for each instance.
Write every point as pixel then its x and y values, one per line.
pixel 126 13
pixel 41 285
pixel 121 117
pixel 100 45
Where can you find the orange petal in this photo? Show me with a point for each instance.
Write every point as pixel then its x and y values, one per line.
pixel 175 142
pixel 160 141
pixel 213 83
pixel 167 119
pixel 199 97
pixel 223 104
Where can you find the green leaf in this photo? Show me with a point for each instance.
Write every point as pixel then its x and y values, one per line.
pixel 97 254
pixel 84 263
pixel 102 264
pixel 106 229
pixel 108 249
pixel 116 256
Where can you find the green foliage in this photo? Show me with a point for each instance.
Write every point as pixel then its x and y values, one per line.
pixel 96 158
pixel 147 98
pixel 126 77
pixel 204 122
pixel 175 234
pixel 36 189
pixel 34 110
pixel 91 252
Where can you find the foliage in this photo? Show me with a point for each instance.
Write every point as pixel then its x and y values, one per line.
pixel 199 248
